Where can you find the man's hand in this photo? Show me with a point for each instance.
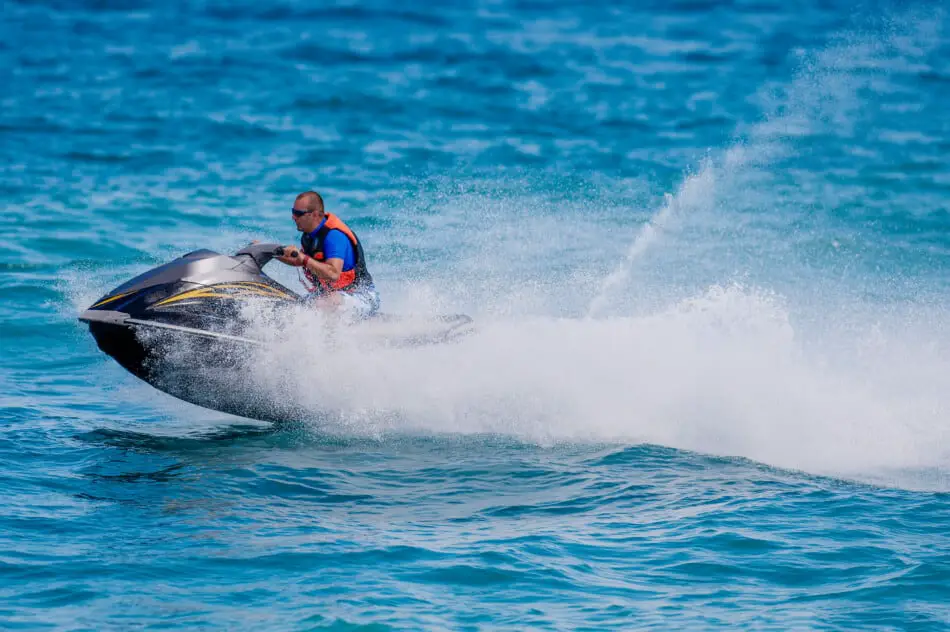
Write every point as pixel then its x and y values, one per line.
pixel 292 256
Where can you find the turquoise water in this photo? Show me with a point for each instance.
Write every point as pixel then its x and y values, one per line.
pixel 706 246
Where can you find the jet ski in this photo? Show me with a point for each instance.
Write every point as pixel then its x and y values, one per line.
pixel 183 327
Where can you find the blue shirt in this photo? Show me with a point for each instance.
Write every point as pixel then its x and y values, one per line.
pixel 336 245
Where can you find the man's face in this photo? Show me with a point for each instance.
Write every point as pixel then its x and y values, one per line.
pixel 305 220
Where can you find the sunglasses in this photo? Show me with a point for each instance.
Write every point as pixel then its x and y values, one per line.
pixel 299 213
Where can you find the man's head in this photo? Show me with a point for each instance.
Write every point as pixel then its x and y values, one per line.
pixel 308 211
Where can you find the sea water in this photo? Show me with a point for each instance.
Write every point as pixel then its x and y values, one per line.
pixel 706 247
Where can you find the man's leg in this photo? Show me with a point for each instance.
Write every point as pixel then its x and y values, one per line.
pixel 361 304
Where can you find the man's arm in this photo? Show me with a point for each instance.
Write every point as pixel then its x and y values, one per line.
pixel 328 270
pixel 336 247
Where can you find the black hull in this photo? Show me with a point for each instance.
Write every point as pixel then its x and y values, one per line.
pixel 221 372
pixel 209 373
pixel 121 343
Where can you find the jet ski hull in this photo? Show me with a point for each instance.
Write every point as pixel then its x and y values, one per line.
pixel 179 327
pixel 120 342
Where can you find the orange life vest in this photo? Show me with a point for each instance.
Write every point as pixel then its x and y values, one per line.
pixel 350 280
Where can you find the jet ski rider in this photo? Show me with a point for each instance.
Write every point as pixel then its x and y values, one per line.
pixel 332 259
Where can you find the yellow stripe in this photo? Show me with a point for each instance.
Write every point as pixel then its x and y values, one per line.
pixel 259 289
pixel 111 298
pixel 189 294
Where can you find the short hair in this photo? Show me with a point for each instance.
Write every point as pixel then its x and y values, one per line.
pixel 311 200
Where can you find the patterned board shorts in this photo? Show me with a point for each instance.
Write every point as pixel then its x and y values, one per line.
pixel 362 303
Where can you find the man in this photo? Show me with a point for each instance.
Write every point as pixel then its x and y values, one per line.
pixel 332 259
